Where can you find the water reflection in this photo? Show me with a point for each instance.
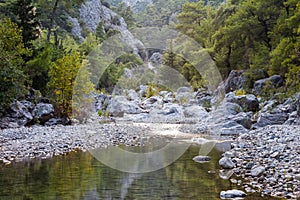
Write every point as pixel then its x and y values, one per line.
pixel 80 176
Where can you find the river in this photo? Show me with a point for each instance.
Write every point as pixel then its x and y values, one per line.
pixel 78 175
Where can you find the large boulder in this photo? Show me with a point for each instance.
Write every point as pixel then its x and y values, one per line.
pixel 19 114
pixel 204 99
pixel 293 119
pixel 133 95
pixel 143 90
pixel 297 102
pixel 152 102
pixel 102 102
pixel 43 112
pixel 268 118
pixel 195 111
pixel 237 129
pixel 226 163
pixel 21 110
pixel 242 118
pixel 235 81
pixel 274 82
pixel 273 113
pixel 232 108
pixel 156 58
pixel 120 105
pixel 8 122
pixel 184 90
pixel 247 102
pixel 170 112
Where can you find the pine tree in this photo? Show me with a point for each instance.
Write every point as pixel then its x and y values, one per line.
pixel 26 20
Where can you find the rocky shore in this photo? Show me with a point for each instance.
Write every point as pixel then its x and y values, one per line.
pixel 266 160
pixel 44 142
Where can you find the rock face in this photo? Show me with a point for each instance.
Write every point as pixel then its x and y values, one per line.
pixel 76 29
pixel 229 194
pixel 275 81
pixel 92 12
pixel 235 81
pixel 226 163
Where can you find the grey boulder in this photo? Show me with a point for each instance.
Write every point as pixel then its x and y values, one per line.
pixel 226 163
pixel 120 105
pixel 274 81
pixel 43 112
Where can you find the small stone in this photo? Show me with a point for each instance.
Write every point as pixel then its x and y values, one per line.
pixel 297 177
pixel 249 165
pixel 257 171
pixel 232 194
pixel 201 159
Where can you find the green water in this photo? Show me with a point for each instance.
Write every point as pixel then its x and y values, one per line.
pixel 80 176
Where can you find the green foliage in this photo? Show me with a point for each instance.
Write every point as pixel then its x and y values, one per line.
pixel 115 70
pixel 102 113
pixel 158 13
pixel 12 77
pixel 26 20
pixel 62 74
pixel 172 62
pixel 240 92
pixel 126 12
pixel 152 90
pixel 258 36
pixel 82 101
pixel 88 44
pixel 37 68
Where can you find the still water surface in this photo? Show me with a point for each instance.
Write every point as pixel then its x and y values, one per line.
pixel 80 176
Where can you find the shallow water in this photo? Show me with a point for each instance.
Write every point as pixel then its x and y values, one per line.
pixel 79 175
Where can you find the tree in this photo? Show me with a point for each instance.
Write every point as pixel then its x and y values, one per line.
pixel 54 15
pixel 12 78
pixel 27 21
pixel 113 72
pixel 62 74
pixel 126 13
pixel 285 57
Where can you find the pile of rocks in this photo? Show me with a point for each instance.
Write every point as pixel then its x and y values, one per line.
pixel 267 160
pixel 33 110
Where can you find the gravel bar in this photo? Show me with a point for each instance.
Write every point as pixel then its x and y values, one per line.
pixel 45 142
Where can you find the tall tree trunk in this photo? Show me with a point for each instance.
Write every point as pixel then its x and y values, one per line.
pixel 52 20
